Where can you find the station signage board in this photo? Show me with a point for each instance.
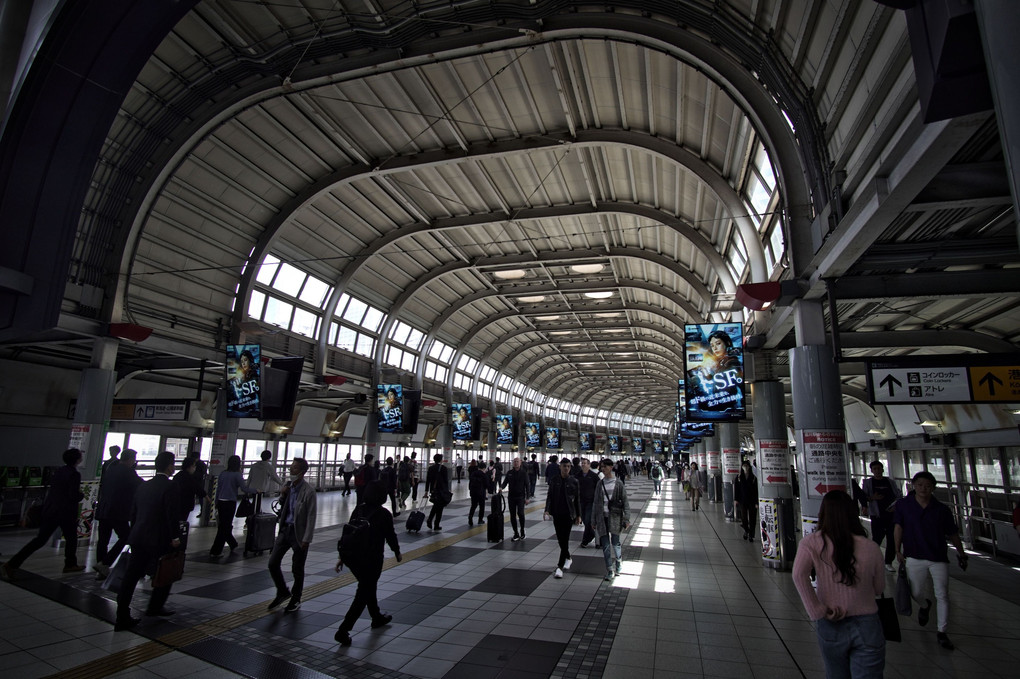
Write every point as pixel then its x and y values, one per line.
pixel 964 378
pixel 773 461
pixel 824 460
pixel 155 409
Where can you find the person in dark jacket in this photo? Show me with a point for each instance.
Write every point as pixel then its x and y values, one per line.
pixel 59 510
pixel 366 474
pixel 155 531
pixel 564 508
pixel 388 475
pixel 367 571
pixel 552 470
pixel 437 487
pixel 478 485
pixel 622 472
pixel 533 472
pixel 587 481
pixel 189 484
pixel 116 498
pixel 745 492
pixel 517 480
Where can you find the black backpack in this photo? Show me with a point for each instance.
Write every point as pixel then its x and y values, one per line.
pixel 355 540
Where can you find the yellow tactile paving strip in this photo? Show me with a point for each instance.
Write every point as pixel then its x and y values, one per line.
pixel 168 643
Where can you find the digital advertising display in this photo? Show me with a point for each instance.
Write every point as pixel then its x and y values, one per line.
pixel 460 421
pixel 698 429
pixel 639 446
pixel 390 404
pixel 505 429
pixel 243 361
pixel 614 444
pixel 552 438
pixel 532 434
pixel 586 441
pixel 657 448
pixel 714 382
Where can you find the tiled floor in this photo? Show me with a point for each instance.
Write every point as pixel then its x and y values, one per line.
pixel 693 601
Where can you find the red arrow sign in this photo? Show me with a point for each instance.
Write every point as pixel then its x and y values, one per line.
pixel 822 490
pixel 776 479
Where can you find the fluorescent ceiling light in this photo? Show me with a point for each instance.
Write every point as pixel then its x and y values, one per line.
pixel 561 332
pixel 510 274
pixel 614 330
pixel 599 295
pixel 533 299
pixel 547 318
pixel 587 268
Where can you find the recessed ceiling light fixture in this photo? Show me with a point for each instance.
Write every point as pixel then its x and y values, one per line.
pixel 532 299
pixel 587 268
pixel 560 332
pixel 599 295
pixel 510 274
pixel 547 318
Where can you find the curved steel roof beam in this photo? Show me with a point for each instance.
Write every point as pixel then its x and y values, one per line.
pixel 674 351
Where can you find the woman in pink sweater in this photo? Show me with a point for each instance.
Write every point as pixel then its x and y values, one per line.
pixel 848 568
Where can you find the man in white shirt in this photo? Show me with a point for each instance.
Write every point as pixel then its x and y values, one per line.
pixel 262 477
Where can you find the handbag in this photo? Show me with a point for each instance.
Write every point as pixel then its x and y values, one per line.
pixel 169 569
pixel 245 508
pixel 890 622
pixel 902 596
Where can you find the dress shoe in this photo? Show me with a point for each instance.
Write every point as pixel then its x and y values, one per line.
pixel 944 641
pixel 73 569
pixel 127 624
pixel 343 638
pixel 162 613
pixel 102 570
pixel 280 598
pixel 383 620
pixel 924 613
pixel 6 572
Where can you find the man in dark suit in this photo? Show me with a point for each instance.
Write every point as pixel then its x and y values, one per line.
pixel 116 497
pixel 59 510
pixel 155 531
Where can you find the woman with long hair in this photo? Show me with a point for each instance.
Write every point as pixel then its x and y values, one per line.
pixel 849 570
pixel 228 484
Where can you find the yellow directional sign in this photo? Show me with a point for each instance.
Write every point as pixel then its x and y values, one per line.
pixel 998 383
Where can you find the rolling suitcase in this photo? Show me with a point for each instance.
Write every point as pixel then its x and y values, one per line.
pixel 416 519
pixel 494 523
pixel 260 533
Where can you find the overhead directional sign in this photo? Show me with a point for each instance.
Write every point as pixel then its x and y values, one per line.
pixel 966 378
pixel 160 409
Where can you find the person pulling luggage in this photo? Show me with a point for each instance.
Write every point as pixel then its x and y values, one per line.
pixel 297 524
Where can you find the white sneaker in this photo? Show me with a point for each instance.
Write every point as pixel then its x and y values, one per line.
pixel 566 564
pixel 558 573
pixel 889 567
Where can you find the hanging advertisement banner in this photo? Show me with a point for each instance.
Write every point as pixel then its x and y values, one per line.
pixel 714 462
pixel 769 529
pixel 390 404
pixel 773 461
pixel 824 460
pixel 532 434
pixel 504 429
pixel 242 366
pixel 714 369
pixel 460 415
pixel 731 461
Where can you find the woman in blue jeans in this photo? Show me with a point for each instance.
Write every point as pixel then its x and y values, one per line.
pixel 850 573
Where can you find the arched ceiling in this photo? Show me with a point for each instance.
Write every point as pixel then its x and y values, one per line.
pixel 405 153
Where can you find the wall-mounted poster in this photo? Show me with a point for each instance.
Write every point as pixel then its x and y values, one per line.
pixel 532 434
pixel 714 385
pixel 586 441
pixel 657 446
pixel 552 438
pixel 390 403
pixel 614 444
pixel 639 446
pixel 460 417
pixel 505 429
pixel 243 361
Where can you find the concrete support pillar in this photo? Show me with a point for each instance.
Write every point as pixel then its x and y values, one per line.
pixel 729 444
pixel 713 467
pixel 775 492
pixel 999 23
pixel 817 413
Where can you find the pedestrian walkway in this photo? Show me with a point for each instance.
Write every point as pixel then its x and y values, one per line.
pixel 693 601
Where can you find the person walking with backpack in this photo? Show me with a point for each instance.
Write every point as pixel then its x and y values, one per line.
pixel 437 487
pixel 297 525
pixel 361 550
pixel 610 517
pixel 656 474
